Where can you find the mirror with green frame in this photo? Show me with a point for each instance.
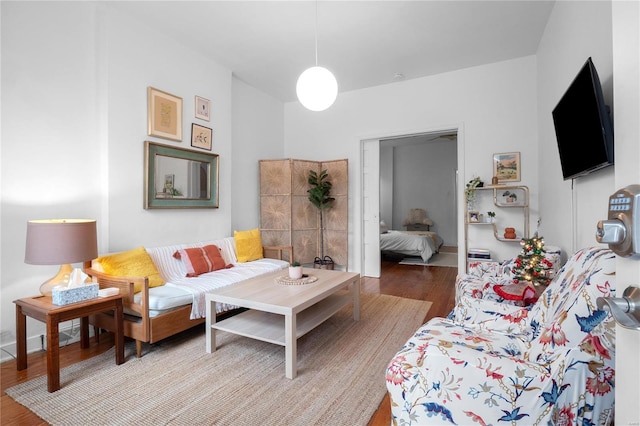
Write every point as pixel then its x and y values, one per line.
pixel 179 178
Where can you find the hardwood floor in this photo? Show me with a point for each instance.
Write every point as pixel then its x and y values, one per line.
pixel 431 283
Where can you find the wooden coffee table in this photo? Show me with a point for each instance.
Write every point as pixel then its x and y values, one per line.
pixel 279 313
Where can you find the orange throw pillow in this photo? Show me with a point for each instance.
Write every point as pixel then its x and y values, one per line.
pixel 200 260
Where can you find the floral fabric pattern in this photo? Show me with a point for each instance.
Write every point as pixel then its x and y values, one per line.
pixel 483 277
pixel 493 363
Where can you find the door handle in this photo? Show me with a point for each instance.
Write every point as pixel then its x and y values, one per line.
pixel 625 309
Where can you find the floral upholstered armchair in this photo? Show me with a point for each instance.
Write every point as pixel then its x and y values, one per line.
pixel 484 277
pixel 496 363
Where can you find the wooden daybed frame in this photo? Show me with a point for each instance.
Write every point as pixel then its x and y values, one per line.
pixel 146 328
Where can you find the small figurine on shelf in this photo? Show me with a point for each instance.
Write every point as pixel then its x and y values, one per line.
pixel 510 233
pixel 511 197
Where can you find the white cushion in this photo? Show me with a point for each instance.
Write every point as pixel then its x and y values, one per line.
pixel 181 290
pixel 166 297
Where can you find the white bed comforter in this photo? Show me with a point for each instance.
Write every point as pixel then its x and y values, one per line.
pixel 411 244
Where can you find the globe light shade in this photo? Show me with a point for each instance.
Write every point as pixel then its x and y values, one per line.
pixel 317 88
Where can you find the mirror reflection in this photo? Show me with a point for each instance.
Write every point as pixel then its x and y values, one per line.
pixel 178 178
pixel 181 178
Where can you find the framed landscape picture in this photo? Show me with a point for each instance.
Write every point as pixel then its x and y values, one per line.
pixel 164 115
pixel 506 166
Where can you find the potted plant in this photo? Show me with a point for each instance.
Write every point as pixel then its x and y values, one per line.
pixel 492 216
pixel 320 197
pixel 510 196
pixel 470 191
pixel 295 270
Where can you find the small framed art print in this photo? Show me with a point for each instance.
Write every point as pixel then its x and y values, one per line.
pixel 506 166
pixel 203 108
pixel 201 137
pixel 164 115
pixel 474 217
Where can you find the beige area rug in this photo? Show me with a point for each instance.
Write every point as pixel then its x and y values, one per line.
pixel 341 376
pixel 438 259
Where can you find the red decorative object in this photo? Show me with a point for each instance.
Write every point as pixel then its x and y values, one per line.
pixel 510 233
pixel 523 291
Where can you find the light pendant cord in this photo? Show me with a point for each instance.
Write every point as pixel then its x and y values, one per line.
pixel 316 33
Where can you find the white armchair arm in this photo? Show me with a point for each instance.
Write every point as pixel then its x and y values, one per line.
pixel 489 315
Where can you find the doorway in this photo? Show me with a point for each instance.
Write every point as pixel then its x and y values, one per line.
pixel 400 172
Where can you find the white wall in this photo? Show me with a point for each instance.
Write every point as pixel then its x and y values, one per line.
pixel 495 105
pixel 258 134
pixel 74 115
pixel 137 57
pixel 571 209
pixel 425 178
pixel 52 161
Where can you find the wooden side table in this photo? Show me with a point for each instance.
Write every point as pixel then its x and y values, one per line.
pixel 43 309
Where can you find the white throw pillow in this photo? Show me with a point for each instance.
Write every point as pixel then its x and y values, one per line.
pixel 384 228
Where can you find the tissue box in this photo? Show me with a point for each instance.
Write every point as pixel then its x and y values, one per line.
pixel 65 296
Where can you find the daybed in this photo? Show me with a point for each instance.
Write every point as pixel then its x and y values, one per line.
pixel 494 363
pixel 165 301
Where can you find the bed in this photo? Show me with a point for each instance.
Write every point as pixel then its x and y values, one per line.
pixel 411 243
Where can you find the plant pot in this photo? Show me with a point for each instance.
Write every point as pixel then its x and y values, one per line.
pixel 295 272
pixel 325 263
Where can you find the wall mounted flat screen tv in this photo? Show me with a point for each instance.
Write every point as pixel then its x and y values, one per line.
pixel 583 126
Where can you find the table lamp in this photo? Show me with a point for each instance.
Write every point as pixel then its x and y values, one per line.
pixel 60 242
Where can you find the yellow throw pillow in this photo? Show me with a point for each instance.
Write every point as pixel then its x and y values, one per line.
pixel 132 263
pixel 248 245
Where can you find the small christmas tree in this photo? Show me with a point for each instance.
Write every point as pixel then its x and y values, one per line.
pixel 531 264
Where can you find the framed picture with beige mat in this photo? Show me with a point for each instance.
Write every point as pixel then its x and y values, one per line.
pixel 164 112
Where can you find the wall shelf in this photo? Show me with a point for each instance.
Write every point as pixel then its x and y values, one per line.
pixel 500 201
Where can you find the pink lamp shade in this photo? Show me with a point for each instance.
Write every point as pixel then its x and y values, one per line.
pixel 60 242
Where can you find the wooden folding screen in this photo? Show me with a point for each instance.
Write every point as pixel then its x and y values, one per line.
pixel 287 217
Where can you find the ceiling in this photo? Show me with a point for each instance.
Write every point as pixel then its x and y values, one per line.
pixel 267 44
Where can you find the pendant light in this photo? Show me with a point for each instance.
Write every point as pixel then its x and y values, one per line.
pixel 317 88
